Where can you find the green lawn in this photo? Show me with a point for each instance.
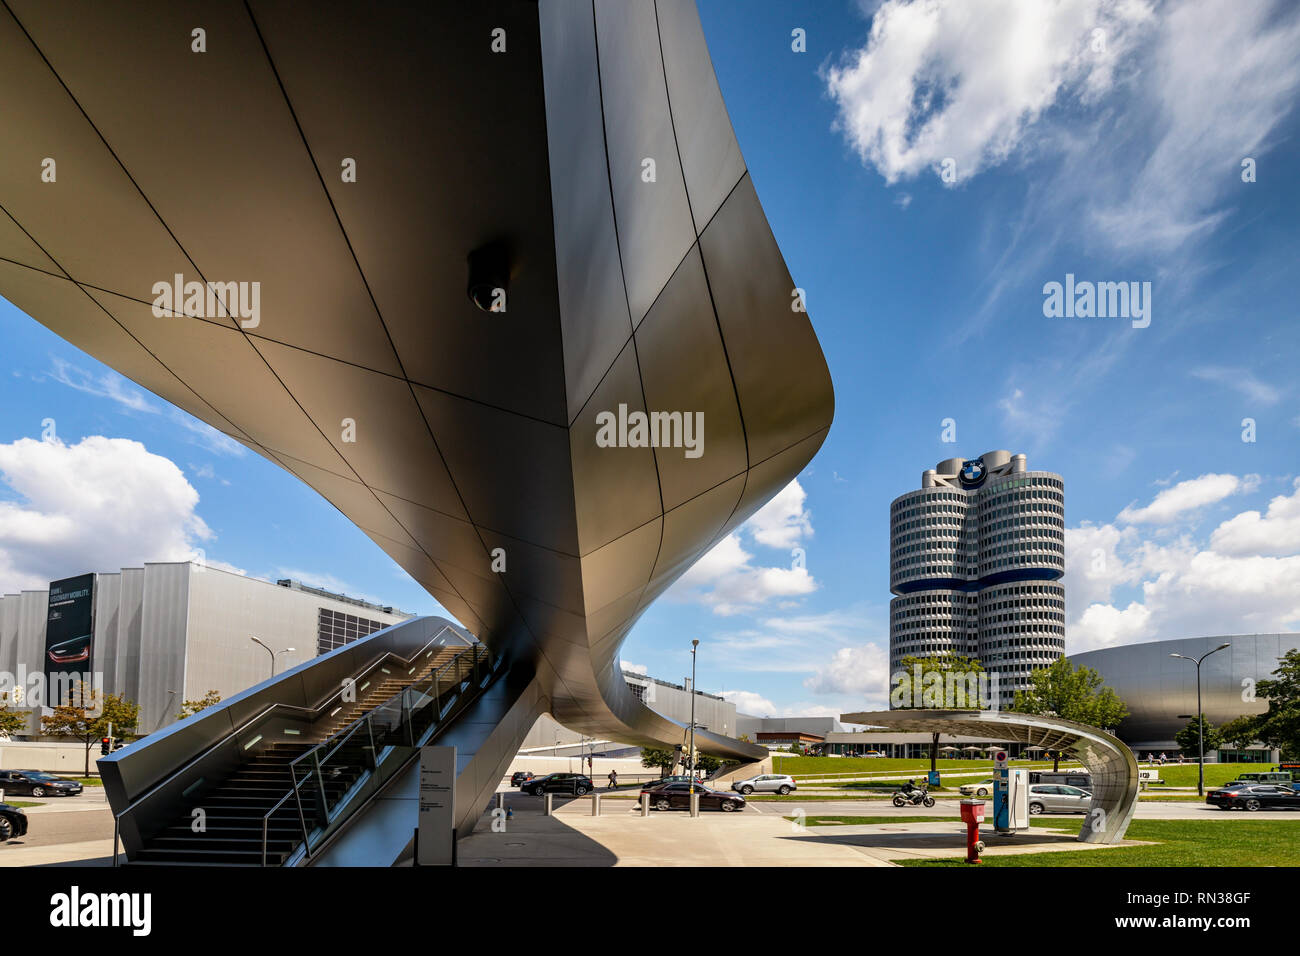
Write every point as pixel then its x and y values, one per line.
pixel 1177 843
pixel 1216 774
pixel 22 803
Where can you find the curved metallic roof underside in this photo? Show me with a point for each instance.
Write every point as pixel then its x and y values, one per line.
pixel 1113 767
pixel 471 431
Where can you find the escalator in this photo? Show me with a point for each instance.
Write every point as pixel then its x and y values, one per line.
pixel 286 782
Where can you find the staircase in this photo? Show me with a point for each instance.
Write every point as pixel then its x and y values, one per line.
pixel 233 809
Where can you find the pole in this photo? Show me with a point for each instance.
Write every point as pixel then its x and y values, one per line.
pixel 269 651
pixel 691 753
pixel 1200 736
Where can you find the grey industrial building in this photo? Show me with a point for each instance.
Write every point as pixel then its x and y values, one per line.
pixel 1160 690
pixel 976 558
pixel 172 631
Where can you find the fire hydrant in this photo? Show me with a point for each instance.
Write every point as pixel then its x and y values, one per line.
pixel 972 814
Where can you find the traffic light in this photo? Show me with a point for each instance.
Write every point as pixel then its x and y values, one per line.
pixel 106 746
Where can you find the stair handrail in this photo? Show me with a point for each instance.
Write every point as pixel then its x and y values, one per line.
pixel 315 709
pixel 479 652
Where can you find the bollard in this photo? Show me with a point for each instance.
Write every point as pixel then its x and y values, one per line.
pixel 645 804
pixel 695 804
pixel 547 805
pixel 595 804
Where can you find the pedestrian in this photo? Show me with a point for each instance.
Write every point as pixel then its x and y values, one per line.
pixel 613 780
pixel 1162 758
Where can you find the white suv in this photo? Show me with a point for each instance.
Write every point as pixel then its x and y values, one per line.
pixel 768 783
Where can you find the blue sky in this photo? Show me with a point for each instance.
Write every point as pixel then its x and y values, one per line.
pixel 1112 156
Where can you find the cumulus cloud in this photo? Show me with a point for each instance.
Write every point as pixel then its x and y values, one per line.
pixel 784 521
pixel 1119 90
pixel 861 670
pixel 727 579
pixel 1122 587
pixel 1190 495
pixel 747 702
pixel 1275 533
pixel 98 505
pixel 966 79
pixel 641 669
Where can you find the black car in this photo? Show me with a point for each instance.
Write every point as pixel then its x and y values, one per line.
pixel 574 783
pixel 37 783
pixel 1253 796
pixel 13 822
pixel 519 776
pixel 677 796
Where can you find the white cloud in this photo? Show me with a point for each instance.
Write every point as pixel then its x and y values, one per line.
pixel 1151 130
pixel 110 385
pixel 1277 532
pixel 747 702
pixel 1122 588
pixel 726 578
pixel 966 79
pixel 1241 380
pixel 861 670
pixel 783 522
pixel 1190 495
pixel 98 505
pixel 641 669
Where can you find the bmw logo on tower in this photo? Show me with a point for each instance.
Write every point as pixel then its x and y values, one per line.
pixel 972 473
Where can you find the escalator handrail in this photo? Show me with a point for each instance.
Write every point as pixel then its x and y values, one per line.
pixel 314 709
pixel 480 652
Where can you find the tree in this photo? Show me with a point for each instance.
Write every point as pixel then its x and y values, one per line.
pixel 11 721
pixel 1188 739
pixel 88 716
pixel 192 707
pixel 707 764
pixel 1238 733
pixel 1279 726
pixel 956 672
pixel 1072 693
pixel 662 759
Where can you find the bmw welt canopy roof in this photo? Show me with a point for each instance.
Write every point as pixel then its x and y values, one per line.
pixel 1112 765
pixel 329 169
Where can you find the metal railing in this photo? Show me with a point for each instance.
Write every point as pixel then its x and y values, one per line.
pixel 308 714
pixel 343 771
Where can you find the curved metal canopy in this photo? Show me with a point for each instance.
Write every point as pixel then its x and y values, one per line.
pixel 1112 765
pixel 328 175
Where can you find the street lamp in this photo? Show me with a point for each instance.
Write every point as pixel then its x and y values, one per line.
pixel 287 650
pixel 1200 718
pixel 690 754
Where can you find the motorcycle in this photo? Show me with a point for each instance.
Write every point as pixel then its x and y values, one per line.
pixel 917 798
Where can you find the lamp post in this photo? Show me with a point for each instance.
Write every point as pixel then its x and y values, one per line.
pixel 690 754
pixel 1200 718
pixel 268 650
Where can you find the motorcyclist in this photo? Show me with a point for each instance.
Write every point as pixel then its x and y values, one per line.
pixel 909 788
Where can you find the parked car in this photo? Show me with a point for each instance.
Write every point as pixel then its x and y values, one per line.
pixel 766 783
pixel 1058 798
pixel 519 776
pixel 873 753
pixel 1071 778
pixel 981 789
pixel 37 783
pixel 13 822
pixel 675 778
pixel 1254 796
pixel 574 783
pixel 1273 777
pixel 677 796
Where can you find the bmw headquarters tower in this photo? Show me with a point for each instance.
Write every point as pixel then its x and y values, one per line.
pixel 976 558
